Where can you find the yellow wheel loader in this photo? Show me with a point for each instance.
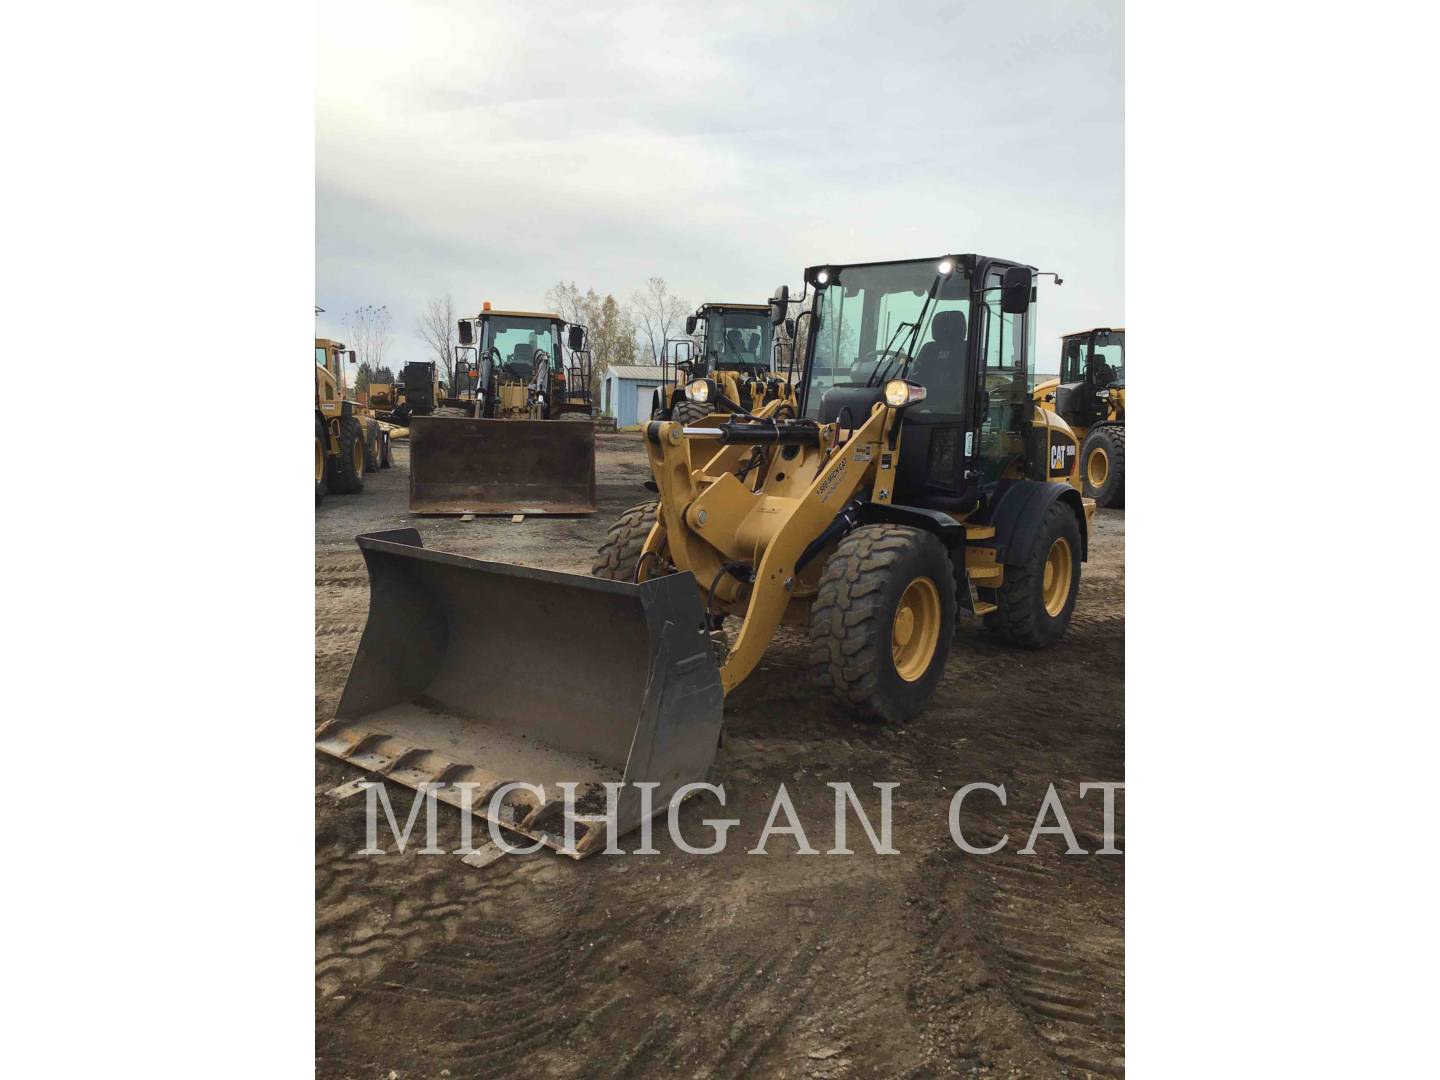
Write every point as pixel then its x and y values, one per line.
pixel 348 441
pixel 1090 395
pixel 919 482
pixel 495 444
pixel 737 354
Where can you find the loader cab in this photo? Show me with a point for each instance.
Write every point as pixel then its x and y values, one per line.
pixel 735 337
pixel 953 324
pixel 1091 363
pixel 330 359
pixel 523 357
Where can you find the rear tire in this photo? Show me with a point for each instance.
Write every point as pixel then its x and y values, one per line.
pixel 1037 597
pixel 690 412
pixel 372 446
pixel 1102 465
pixel 620 553
pixel 882 622
pixel 385 460
pixel 347 472
pixel 321 459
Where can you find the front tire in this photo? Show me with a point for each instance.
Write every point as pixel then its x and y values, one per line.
pixel 1102 465
pixel 690 412
pixel 347 472
pixel 619 555
pixel 1037 597
pixel 321 454
pixel 882 621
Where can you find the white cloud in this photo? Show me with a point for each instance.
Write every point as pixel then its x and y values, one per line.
pixel 491 150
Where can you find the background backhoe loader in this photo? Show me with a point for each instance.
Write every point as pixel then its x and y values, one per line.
pixel 919 481
pixel 737 354
pixel 493 445
pixel 1090 395
pixel 418 392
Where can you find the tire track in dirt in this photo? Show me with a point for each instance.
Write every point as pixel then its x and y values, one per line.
pixel 922 965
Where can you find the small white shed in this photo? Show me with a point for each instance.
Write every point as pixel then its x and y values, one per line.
pixel 628 392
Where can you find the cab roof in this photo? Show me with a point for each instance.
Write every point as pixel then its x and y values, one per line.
pixel 715 305
pixel 518 315
pixel 1077 333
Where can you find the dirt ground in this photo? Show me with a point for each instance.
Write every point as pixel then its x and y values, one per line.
pixel 932 962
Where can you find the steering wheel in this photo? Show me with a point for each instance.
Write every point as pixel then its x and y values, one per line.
pixel 869 362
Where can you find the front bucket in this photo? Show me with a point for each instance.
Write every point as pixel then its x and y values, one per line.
pixel 460 465
pixel 480 673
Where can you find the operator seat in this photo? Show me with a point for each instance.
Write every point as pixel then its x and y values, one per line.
pixel 928 472
pixel 940 364
pixel 734 347
pixel 523 359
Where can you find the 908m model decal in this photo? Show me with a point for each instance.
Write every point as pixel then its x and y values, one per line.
pixel 1062 454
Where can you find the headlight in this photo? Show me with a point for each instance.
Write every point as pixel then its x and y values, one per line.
pixel 899 393
pixel 823 276
pixel 946 266
pixel 698 391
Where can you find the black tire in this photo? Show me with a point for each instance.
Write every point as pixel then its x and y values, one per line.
pixel 372 446
pixel 347 472
pixel 853 620
pixel 659 414
pixel 1110 438
pixel 322 465
pixel 690 412
pixel 620 552
pixel 1022 618
pixel 385 460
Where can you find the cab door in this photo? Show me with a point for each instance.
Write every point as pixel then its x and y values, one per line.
pixel 1003 405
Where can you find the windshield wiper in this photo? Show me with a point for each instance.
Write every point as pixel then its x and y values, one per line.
pixel 886 357
pixel 875 375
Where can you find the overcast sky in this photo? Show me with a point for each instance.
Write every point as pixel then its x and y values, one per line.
pixel 489 150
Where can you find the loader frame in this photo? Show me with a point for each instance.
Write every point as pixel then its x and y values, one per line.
pixel 756 543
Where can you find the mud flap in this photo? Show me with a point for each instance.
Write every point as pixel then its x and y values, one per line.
pixel 478 673
pixel 460 465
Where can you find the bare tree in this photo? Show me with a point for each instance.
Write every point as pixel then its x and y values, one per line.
pixel 567 301
pixel 657 313
pixel 437 328
pixel 369 331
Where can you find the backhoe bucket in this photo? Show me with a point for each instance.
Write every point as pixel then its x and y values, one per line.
pixel 471 675
pixel 460 465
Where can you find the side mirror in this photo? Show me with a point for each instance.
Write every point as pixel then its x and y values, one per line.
pixel 351 353
pixel 575 338
pixel 1015 290
pixel 779 305
pixel 690 323
pixel 790 329
pixel 467 332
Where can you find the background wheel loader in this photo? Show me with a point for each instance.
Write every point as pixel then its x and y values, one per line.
pixel 1090 395
pixel 919 482
pixel 737 354
pixel 348 441
pixel 493 446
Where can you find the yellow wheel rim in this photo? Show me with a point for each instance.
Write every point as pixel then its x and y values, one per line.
pixel 357 456
pixel 1058 571
pixel 1097 469
pixel 916 630
pixel 319 460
